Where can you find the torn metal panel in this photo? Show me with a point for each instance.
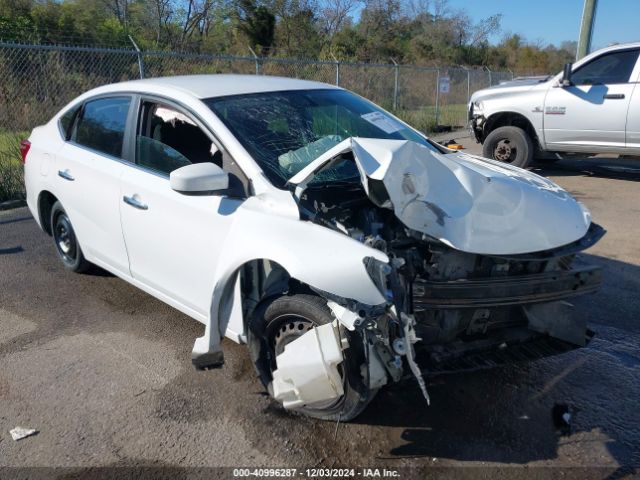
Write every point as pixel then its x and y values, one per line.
pixel 346 317
pixel 307 370
pixel 469 203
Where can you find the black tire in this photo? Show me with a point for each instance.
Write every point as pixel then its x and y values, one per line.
pixel 66 241
pixel 278 315
pixel 510 145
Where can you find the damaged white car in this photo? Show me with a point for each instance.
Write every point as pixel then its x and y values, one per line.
pixel 344 247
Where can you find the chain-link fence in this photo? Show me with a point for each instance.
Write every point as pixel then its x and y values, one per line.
pixel 37 80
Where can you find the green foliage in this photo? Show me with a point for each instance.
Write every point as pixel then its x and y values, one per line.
pixel 11 169
pixel 257 23
pixel 424 33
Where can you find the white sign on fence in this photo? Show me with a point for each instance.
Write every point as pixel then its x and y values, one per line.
pixel 444 84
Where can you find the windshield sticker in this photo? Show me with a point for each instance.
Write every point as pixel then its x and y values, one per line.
pixel 383 122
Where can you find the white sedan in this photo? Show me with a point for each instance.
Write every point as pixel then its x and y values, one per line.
pixel 339 243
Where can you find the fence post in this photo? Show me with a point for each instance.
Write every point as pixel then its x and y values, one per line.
pixel 337 69
pixel 140 61
pixel 490 78
pixel 468 82
pixel 256 59
pixel 396 69
pixel 437 96
pixel 511 72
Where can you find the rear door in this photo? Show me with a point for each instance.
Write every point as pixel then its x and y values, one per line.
pixel 89 167
pixel 173 239
pixel 592 113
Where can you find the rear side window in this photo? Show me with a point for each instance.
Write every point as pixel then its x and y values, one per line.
pixel 611 68
pixel 66 121
pixel 101 125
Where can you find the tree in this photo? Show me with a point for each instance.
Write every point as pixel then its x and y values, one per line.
pixel 257 23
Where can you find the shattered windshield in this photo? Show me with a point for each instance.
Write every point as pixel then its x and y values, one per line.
pixel 285 131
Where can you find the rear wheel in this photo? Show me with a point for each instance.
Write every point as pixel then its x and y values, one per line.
pixel 510 145
pixel 283 320
pixel 66 241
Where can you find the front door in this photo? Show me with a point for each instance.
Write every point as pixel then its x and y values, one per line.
pixel 173 239
pixel 592 112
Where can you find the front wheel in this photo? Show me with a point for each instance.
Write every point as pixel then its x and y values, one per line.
pixel 284 319
pixel 66 241
pixel 510 145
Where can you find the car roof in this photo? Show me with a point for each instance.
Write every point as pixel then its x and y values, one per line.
pixel 207 86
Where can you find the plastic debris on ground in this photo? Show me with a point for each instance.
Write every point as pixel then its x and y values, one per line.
pixel 19 433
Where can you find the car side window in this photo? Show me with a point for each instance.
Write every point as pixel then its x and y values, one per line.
pixel 610 68
pixel 168 139
pixel 66 121
pixel 101 125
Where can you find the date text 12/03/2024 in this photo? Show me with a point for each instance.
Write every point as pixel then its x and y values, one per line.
pixel 316 472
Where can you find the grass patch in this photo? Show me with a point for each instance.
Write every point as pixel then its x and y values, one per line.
pixel 11 168
pixel 424 119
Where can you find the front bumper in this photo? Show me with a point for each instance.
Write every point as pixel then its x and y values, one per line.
pixel 507 290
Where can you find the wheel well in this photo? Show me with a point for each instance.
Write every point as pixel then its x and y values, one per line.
pixel 261 280
pixel 511 119
pixel 45 204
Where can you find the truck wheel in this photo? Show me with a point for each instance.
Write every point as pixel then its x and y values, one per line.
pixel 510 145
pixel 279 322
pixel 66 241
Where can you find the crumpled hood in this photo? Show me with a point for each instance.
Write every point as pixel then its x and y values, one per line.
pixel 469 203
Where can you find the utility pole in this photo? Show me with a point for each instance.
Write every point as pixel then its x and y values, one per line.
pixel 586 28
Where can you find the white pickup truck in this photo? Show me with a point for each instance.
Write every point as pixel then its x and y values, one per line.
pixel 593 106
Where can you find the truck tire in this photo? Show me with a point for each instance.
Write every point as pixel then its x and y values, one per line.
pixel 281 320
pixel 510 145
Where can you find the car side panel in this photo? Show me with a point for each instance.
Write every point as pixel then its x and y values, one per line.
pixel 91 200
pixel 174 243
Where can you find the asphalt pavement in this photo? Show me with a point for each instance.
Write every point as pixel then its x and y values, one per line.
pixel 103 372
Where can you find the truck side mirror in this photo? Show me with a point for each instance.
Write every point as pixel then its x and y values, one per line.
pixel 566 75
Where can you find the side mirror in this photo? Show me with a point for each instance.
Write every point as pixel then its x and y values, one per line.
pixel 198 178
pixel 566 75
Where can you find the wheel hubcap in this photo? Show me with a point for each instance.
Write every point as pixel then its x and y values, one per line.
pixel 504 151
pixel 65 239
pixel 64 242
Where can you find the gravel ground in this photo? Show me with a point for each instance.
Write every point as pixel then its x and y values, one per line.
pixel 103 372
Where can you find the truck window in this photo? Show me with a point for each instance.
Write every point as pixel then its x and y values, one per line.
pixel 610 68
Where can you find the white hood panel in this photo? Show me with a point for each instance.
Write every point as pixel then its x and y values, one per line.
pixel 470 203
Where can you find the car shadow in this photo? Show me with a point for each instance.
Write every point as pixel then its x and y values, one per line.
pixel 505 414
pixel 600 167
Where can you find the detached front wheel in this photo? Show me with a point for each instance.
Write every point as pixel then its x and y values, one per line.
pixel 510 145
pixel 285 319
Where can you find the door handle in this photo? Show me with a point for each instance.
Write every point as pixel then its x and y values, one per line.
pixel 614 96
pixel 135 203
pixel 66 175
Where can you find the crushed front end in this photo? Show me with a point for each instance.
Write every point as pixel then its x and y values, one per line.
pixel 465 287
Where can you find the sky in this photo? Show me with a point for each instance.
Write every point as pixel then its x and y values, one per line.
pixel 553 21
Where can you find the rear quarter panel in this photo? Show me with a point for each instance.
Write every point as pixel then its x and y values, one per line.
pixel 39 167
